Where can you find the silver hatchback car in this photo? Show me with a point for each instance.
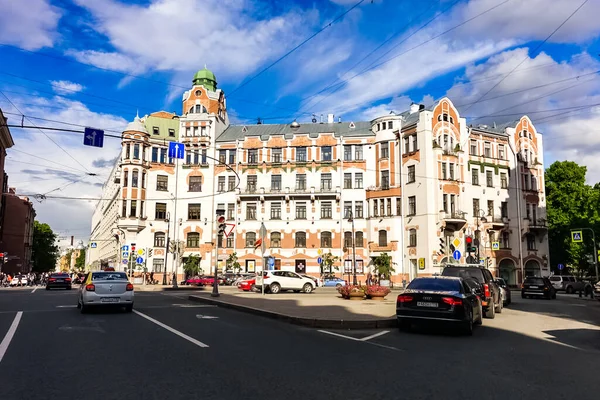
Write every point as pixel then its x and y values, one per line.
pixel 105 288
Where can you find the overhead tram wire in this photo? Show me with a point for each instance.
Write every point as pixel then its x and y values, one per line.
pixel 539 46
pixel 407 51
pixel 308 39
pixel 48 160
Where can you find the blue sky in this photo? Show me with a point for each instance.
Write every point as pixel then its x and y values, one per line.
pixel 381 56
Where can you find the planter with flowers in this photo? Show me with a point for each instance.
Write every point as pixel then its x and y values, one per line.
pixel 376 292
pixel 352 292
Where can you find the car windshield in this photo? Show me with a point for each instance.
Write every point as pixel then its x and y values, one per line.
pixel 534 281
pixel 467 272
pixel 433 284
pixel 96 276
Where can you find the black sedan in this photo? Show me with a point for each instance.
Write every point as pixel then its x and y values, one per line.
pixel 442 298
pixel 59 281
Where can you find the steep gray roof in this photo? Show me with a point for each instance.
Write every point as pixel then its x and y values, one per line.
pixel 234 132
pixel 497 129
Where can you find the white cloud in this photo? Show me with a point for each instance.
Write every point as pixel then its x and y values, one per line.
pixel 28 24
pixel 66 87
pixel 183 35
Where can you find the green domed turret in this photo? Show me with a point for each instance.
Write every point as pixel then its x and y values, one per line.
pixel 205 78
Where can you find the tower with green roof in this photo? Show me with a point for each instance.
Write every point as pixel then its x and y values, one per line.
pixel 205 78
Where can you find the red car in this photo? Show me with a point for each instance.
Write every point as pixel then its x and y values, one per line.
pixel 247 285
pixel 208 281
pixel 194 281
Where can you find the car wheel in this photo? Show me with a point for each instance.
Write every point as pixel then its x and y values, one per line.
pixel 569 289
pixel 69 288
pixel 499 307
pixel 307 288
pixel 129 308
pixel 275 288
pixel 554 296
pixel 468 327
pixel 480 318
pixel 491 312
pixel 83 308
pixel 338 286
pixel 253 288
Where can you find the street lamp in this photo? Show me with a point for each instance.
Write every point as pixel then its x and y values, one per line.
pixel 167 248
pixel 480 218
pixel 351 220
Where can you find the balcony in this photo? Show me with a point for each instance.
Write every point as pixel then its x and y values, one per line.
pixel 131 224
pixel 454 220
pixel 536 226
pixel 498 222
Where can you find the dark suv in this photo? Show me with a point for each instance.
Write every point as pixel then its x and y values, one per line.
pixel 491 298
pixel 536 286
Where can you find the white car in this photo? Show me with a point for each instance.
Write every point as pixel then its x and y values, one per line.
pixel 15 281
pixel 105 288
pixel 276 281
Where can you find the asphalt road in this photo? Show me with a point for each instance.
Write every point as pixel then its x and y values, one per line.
pixel 176 349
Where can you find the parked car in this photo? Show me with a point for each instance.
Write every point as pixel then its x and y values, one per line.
pixel 536 286
pixel 506 294
pixel 491 300
pixel 59 280
pixel 15 280
pixel 103 289
pixel 446 299
pixel 316 280
pixel 334 282
pixel 247 285
pixel 196 280
pixel 597 290
pixel 276 281
pixel 567 283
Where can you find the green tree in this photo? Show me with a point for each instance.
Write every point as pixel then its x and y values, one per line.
pixel 383 266
pixel 571 203
pixel 192 265
pixel 232 263
pixel 80 260
pixel 328 263
pixel 44 252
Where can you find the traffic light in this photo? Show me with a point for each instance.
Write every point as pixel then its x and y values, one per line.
pixel 221 225
pixel 470 244
pixel 150 251
pixel 442 247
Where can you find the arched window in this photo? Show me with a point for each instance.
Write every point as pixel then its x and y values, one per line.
pixel 200 109
pixel 159 239
pixel 412 238
pixel 193 240
pixel 275 239
pixel 300 239
pixel 445 117
pixel 383 238
pixel 348 240
pixel 359 240
pixel 326 240
pixel 250 239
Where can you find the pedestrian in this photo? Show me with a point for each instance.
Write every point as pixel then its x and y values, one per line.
pixel 369 278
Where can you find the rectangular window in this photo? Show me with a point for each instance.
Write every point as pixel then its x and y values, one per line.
pixel 300 239
pixel 203 160
pixel 231 157
pixel 134 178
pixel 347 209
pixel 504 209
pixel 444 172
pixel 475 176
pixel 251 211
pixel 406 141
pixel 155 130
pixel 326 182
pixel 229 242
pixel 358 209
pixel 385 150
pixel 222 156
pixel 347 153
pixel 412 205
pixel 163 156
pixel 326 153
pixel 195 184
pixel 415 145
pixel 251 183
pixel 489 178
pixel 301 154
pixel 531 242
pixel 533 183
pixel 277 155
pixel 389 207
pixel 301 182
pixel 412 238
pixel 124 210
pixel 399 206
pixel 473 148
pixel 452 204
pixel 203 131
pixel 252 156
pixel 487 149
pixel 221 184
pixel 136 151
pixel 347 181
pixel 375 208
pixel 276 183
pixel 300 210
pixel 155 154
pixel 451 171
pixel 385 180
pixel 160 211
pixel 358 152
pixel 475 208
pixel 276 210
pixel 133 211
pixel 358 180
pixel 326 210
pixel 445 202
pixel 411 174
pixel 503 180
pixel 528 210
pixel 505 242
pixel 230 211
pixel 194 211
pixel 490 208
pixel 125 178
pixel 162 183
pixel 382 208
pixel 172 132
pixel 193 240
pixel 230 183
pixel 390 124
pixel 158 265
pixel 501 151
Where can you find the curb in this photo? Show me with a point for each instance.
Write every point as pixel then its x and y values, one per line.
pixel 302 321
pixel 171 289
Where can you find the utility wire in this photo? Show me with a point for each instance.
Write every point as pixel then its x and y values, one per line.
pixel 48 160
pixel 539 46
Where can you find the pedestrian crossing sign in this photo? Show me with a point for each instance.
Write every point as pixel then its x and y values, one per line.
pixel 576 236
pixel 495 246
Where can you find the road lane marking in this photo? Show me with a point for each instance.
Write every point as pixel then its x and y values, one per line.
pixel 10 334
pixel 200 316
pixel 34 289
pixel 361 340
pixel 172 330
pixel 67 306
pixel 374 336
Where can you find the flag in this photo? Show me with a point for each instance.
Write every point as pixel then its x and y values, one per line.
pixel 257 243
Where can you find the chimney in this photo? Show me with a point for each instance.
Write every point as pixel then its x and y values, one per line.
pixel 414 108
pixel 321 118
pixel 339 120
pixel 330 118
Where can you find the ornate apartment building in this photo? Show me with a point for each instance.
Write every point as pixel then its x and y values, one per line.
pixel 412 185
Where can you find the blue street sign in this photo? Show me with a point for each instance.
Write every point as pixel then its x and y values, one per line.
pixel 560 267
pixel 125 261
pixel 456 255
pixel 176 150
pixel 139 260
pixel 271 261
pixel 319 260
pixel 125 248
pixel 93 245
pixel 125 254
pixel 93 137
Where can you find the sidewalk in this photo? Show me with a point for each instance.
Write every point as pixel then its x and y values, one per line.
pixel 320 309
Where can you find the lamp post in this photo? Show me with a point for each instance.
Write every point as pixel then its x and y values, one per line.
pixel 351 220
pixel 480 218
pixel 168 220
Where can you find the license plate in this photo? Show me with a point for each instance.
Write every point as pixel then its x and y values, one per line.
pixel 59 280
pixel 427 304
pixel 533 287
pixel 110 300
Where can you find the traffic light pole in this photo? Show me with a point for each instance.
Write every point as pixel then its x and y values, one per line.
pixel 220 232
